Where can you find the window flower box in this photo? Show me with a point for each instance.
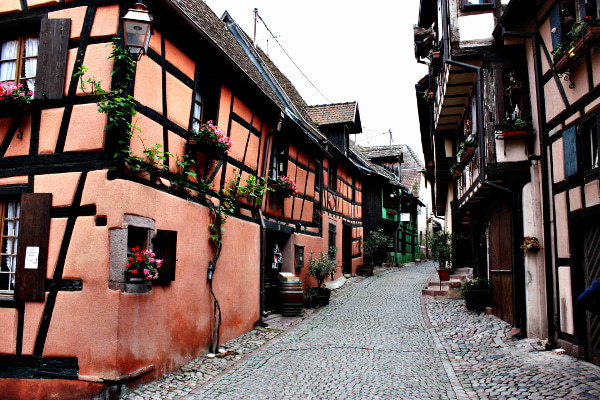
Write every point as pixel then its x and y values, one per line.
pixel 514 134
pixel 283 186
pixel 210 140
pixel 467 155
pixel 14 100
pixel 584 35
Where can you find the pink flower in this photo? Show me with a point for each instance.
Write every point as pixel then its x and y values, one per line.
pixel 148 276
pixel 146 271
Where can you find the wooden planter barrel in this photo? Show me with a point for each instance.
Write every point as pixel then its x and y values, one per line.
pixel 291 298
pixel 476 299
pixel 365 270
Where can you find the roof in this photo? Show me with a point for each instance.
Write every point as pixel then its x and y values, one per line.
pixel 337 113
pixel 207 22
pixel 410 167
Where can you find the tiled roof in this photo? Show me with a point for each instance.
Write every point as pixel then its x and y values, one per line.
pixel 410 169
pixel 206 21
pixel 338 113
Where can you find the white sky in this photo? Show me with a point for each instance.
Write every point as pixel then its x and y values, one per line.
pixel 350 50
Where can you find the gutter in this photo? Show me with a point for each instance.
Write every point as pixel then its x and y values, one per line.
pixel 550 298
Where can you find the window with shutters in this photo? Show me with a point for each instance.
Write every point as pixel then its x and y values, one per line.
pixel 32 43
pixel 9 232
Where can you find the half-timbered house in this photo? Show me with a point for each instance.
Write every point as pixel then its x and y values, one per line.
pixel 103 154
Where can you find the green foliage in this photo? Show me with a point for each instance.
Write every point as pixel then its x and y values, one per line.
pixel 442 245
pixel 573 35
pixel 519 123
pixel 375 242
pixel 320 268
pixel 475 284
pixel 118 104
pixel 463 146
pixel 253 189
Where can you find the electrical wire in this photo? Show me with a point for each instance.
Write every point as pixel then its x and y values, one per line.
pixel 288 56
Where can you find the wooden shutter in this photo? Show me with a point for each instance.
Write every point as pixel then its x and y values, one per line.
pixel 34 231
pixel 165 248
pixel 570 151
pixel 52 58
pixel 555 24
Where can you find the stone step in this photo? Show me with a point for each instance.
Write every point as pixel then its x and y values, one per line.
pixel 433 292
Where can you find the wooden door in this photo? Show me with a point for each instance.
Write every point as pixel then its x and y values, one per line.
pixel 501 263
pixel 347 248
pixel 591 250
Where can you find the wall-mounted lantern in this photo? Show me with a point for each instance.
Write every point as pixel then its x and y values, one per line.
pixel 137 27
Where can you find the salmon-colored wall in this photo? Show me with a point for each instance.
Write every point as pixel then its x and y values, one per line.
pixel 113 333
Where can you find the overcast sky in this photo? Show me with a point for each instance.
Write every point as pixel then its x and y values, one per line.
pixel 350 51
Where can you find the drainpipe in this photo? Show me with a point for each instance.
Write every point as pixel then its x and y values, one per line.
pixel 550 298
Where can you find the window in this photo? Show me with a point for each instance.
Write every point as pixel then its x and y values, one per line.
pixel 332 176
pixel 18 61
pixel 468 5
pixel 279 161
pixel 197 113
pixel 9 232
pixel 589 143
pixel 331 253
pixel 205 100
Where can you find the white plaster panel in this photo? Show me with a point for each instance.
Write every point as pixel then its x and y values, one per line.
pixel 575 202
pixel 558 167
pixel 592 193
pixel 476 27
pixel 566 300
pixel 562 225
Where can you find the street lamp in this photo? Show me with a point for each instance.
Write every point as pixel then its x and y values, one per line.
pixel 137 26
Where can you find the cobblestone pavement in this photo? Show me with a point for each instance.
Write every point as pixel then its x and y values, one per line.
pixel 372 342
pixel 490 365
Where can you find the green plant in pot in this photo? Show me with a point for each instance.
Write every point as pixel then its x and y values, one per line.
pixel 320 268
pixel 375 242
pixel 476 294
pixel 442 245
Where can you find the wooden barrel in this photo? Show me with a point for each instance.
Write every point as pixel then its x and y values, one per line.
pixel 291 298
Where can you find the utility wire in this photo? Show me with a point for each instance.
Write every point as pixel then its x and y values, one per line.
pixel 288 56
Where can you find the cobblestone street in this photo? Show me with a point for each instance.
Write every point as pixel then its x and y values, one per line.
pixel 373 342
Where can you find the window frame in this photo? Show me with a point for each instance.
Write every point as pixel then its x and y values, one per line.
pixel 4 201
pixel 487 5
pixel 332 178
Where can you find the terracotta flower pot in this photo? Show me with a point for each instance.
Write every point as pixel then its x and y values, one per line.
pixel 444 274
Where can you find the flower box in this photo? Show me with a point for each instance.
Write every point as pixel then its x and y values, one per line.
pixel 210 140
pixel 283 186
pixel 11 109
pixel 589 37
pixel 467 155
pixel 514 134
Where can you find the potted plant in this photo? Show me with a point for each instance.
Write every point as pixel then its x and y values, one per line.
pixel 211 140
pixel 456 170
pixel 515 127
pixel 442 245
pixel 253 190
pixel 14 99
pixel 531 243
pixel 283 186
pixel 583 35
pixel 466 151
pixel 373 244
pixel 311 296
pixel 476 294
pixel 320 268
pixel 141 266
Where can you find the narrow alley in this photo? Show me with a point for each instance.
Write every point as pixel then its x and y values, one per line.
pixel 373 342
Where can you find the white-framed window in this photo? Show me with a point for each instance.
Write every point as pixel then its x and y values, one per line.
pixel 10 212
pixel 198 113
pixel 18 61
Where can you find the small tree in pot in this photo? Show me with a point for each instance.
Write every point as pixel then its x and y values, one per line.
pixel 476 294
pixel 442 245
pixel 373 244
pixel 320 268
